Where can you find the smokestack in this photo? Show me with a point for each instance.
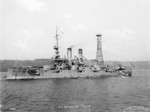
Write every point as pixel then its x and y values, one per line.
pixel 80 51
pixel 69 54
pixel 80 56
pixel 99 54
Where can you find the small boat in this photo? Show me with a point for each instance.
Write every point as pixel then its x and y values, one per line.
pixel 124 77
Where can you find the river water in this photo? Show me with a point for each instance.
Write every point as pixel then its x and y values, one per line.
pixel 111 94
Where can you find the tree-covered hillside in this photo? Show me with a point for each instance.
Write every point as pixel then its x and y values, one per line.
pixel 6 64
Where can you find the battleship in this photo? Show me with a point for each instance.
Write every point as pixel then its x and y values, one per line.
pixel 69 67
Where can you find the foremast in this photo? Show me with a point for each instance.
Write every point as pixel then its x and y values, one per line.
pixel 56 47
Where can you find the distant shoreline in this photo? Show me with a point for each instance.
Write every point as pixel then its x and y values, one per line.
pixel 141 70
pixel 132 70
pixel 6 64
pixel 1 73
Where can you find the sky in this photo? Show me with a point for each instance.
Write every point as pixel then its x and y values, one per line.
pixel 28 28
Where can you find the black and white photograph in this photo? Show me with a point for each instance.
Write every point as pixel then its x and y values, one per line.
pixel 74 55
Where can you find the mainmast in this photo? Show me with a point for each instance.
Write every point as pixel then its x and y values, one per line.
pixel 99 54
pixel 57 37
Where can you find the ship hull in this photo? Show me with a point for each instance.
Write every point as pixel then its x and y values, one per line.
pixel 61 74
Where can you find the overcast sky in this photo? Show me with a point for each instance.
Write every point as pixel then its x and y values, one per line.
pixel 28 27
